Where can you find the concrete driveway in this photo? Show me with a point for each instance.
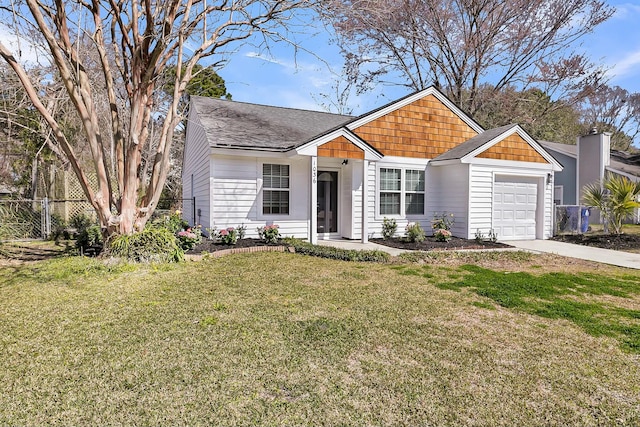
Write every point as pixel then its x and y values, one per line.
pixel 606 256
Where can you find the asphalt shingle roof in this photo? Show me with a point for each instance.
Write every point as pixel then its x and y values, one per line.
pixel 231 124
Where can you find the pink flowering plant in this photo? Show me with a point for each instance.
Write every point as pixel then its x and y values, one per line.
pixel 269 233
pixel 441 225
pixel 228 236
pixel 442 235
pixel 189 237
pixel 443 221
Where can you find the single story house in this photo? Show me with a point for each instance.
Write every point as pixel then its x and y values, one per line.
pixel 319 175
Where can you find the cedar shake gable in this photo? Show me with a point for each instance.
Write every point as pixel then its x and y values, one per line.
pixel 423 128
pixel 508 143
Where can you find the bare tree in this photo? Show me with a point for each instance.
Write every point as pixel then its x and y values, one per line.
pixel 615 110
pixel 132 43
pixel 458 45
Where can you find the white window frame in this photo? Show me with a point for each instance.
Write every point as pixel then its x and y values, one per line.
pixel 262 214
pixel 407 192
pixel 561 190
pixel 403 191
pixel 399 191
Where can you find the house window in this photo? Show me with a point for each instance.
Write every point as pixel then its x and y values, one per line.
pixel 401 191
pixel 390 191
pixel 558 191
pixel 414 192
pixel 275 189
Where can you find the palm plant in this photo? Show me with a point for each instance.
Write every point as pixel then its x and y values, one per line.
pixel 616 197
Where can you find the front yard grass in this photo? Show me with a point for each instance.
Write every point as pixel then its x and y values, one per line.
pixel 285 339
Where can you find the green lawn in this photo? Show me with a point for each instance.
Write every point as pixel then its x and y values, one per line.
pixel 285 339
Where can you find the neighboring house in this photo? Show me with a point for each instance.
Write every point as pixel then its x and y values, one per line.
pixel 319 175
pixel 587 162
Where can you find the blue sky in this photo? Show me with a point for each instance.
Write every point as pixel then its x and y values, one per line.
pixel 284 80
pixel 299 81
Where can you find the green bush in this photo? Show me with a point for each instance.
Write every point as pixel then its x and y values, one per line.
pixel 150 245
pixel 88 235
pixel 269 233
pixel 414 233
pixel 174 222
pixel 389 227
pixel 331 252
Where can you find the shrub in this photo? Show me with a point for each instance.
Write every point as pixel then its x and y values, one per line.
pixel 153 244
pixel 228 236
pixel 443 221
pixel 389 227
pixel 331 252
pixel 80 222
pixel 269 233
pixel 493 236
pixel 414 233
pixel 479 236
pixel 188 239
pixel 616 197
pixel 89 235
pixel 242 231
pixel 174 222
pixel 442 235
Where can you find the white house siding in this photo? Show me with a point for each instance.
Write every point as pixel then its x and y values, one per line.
pixel 196 164
pixel 448 193
pixel 356 199
pixel 480 200
pixel 236 197
pixel 481 181
pixel 347 207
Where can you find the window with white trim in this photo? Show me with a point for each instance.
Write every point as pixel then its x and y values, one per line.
pixel 275 189
pixel 558 191
pixel 401 192
pixel 414 192
pixel 390 191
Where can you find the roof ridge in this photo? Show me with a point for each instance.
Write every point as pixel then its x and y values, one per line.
pixel 272 106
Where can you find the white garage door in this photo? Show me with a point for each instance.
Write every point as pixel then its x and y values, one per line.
pixel 514 207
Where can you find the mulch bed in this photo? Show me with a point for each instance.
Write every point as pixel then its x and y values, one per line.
pixel 619 242
pixel 431 244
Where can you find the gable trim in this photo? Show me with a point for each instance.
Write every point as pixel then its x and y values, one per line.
pixel 311 148
pixel 470 157
pixel 396 105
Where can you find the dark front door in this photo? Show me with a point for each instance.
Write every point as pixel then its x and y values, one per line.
pixel 327 202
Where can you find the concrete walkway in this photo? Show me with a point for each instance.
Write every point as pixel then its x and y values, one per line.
pixel 606 256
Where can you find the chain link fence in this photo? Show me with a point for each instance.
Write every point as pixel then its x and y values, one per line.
pixel 36 219
pixel 23 219
pixel 571 219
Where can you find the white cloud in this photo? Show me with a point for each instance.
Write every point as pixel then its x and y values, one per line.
pixel 627 64
pixel 22 49
pixel 627 10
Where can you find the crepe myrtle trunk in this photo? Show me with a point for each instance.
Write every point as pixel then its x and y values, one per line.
pixel 119 51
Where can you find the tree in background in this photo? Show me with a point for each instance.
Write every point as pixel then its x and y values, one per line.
pixel 542 117
pixel 205 82
pixel 132 43
pixel 461 45
pixel 615 110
